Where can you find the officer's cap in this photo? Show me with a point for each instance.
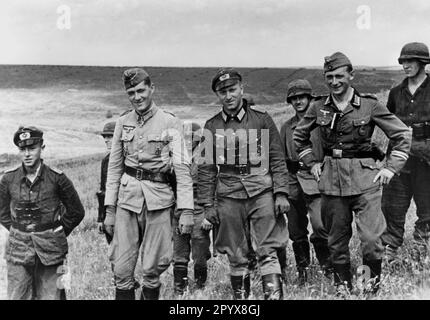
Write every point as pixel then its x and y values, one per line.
pixel 225 78
pixel 298 87
pixel 108 129
pixel 336 60
pixel 415 50
pixel 27 136
pixel 132 77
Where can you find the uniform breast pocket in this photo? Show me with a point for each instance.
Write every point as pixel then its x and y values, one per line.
pixel 158 145
pixel 324 123
pixel 127 139
pixel 362 128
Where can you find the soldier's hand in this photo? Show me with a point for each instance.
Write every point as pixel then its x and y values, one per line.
pixel 109 222
pixel 384 175
pixel 186 221
pixel 100 227
pixel 206 224
pixel 316 171
pixel 211 215
pixel 282 205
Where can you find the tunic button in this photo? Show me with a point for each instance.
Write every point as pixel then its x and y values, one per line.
pixel 140 150
pixel 140 137
pixel 412 101
pixel 340 143
pixel 411 114
pixel 340 133
pixel 362 121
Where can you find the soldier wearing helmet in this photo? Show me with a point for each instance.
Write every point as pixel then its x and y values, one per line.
pixel 410 102
pixel 303 189
pixel 348 178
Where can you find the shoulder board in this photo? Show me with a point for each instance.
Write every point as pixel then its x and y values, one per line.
pixel 125 112
pixel 171 113
pixel 12 169
pixel 56 170
pixel 255 108
pixel 368 95
pixel 319 97
pixel 215 115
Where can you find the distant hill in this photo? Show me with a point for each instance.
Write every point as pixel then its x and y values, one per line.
pixel 183 86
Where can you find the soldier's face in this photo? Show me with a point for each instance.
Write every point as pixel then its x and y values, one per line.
pixel 140 96
pixel 411 67
pixel 231 97
pixel 339 80
pixel 108 142
pixel 30 155
pixel 300 102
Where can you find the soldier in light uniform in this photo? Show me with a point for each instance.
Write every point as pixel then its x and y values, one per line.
pixel 349 180
pixel 303 189
pixel 40 207
pixel 107 135
pixel 250 183
pixel 198 242
pixel 147 146
pixel 410 101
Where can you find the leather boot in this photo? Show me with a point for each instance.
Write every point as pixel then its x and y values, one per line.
pixel 241 286
pixel 302 255
pixel 372 286
pixel 323 255
pixel 200 276
pixel 124 294
pixel 342 278
pixel 272 286
pixel 150 293
pixel 180 280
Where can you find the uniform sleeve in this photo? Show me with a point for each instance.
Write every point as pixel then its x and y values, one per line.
pixel 391 102
pixel 70 199
pixel 181 162
pixel 278 167
pixel 302 137
pixel 284 140
pixel 115 166
pixel 399 134
pixel 5 215
pixel 207 169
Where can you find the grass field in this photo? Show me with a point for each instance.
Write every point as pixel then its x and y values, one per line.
pixel 71 105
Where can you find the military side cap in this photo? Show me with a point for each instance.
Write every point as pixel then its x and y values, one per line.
pixel 415 50
pixel 132 77
pixel 27 136
pixel 225 78
pixel 108 129
pixel 298 87
pixel 336 60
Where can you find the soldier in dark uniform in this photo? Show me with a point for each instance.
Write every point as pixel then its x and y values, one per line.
pixel 303 189
pixel 410 101
pixel 349 180
pixel 107 135
pixel 251 186
pixel 31 200
pixel 198 242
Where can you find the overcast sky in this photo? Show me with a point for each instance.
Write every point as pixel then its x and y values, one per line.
pixel 241 33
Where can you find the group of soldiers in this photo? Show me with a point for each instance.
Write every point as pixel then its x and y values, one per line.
pixel 164 191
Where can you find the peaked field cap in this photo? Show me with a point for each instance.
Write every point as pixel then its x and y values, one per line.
pixel 108 129
pixel 298 87
pixel 415 50
pixel 336 60
pixel 27 136
pixel 132 77
pixel 225 78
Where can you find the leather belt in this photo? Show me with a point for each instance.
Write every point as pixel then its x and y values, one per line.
pixel 241 169
pixel 35 227
pixel 421 130
pixel 143 174
pixel 339 153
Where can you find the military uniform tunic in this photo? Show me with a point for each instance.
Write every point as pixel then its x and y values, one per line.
pixel 348 169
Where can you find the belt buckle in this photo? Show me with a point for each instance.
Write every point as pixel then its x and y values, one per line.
pixel 139 174
pixel 243 169
pixel 30 227
pixel 337 153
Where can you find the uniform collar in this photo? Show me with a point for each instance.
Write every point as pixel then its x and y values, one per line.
pixel 238 116
pixel 23 173
pixel 354 101
pixel 148 114
pixel 423 85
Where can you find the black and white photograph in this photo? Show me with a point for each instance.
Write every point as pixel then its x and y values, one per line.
pixel 230 150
